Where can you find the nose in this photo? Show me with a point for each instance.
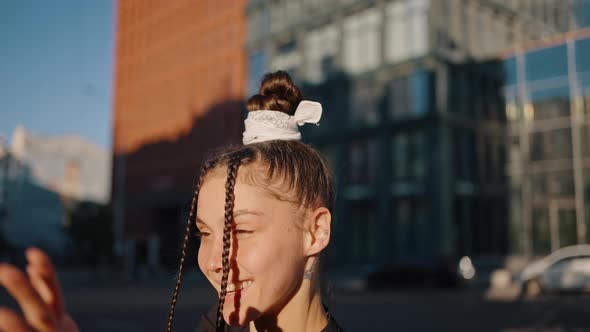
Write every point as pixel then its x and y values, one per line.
pixel 214 261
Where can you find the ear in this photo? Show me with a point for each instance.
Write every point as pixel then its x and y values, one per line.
pixel 317 230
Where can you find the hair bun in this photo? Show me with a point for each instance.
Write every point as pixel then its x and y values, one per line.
pixel 277 93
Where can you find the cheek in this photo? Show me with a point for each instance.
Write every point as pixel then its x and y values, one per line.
pixel 202 257
pixel 271 258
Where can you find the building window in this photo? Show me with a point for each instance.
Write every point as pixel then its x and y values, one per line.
pixel 410 217
pixel 461 91
pixel 488 158
pixel 550 103
pixel 585 140
pixel 547 63
pixel 362 40
pixel 421 94
pixel 567 227
pixel 363 161
pixel 412 95
pixel 583 68
pixel 510 76
pixel 409 156
pixel 561 184
pixel 582 63
pixel 365 110
pixel 406 30
pixel 321 46
pixel 399 98
pixel 465 155
pixel 586 103
pixel 364 233
pixel 550 145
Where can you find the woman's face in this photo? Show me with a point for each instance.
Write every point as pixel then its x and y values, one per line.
pixel 267 258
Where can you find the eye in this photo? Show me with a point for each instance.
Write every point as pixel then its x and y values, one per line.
pixel 243 232
pixel 201 234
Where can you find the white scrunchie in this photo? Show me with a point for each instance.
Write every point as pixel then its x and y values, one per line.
pixel 265 125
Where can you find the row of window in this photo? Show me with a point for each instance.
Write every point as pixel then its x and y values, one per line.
pixel 359 44
pixel 552 212
pixel 409 235
pixel 550 145
pixel 474 91
pixel 548 68
pixel 408 156
pixel 478 227
pixel 409 159
pixel 548 104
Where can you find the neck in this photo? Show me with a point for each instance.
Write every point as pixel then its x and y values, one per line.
pixel 304 312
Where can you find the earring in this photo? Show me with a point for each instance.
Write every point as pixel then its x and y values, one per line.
pixel 309 273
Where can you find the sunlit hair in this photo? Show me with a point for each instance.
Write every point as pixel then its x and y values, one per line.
pixel 288 170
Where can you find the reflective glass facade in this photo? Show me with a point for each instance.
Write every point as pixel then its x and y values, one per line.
pixel 546 95
pixel 414 125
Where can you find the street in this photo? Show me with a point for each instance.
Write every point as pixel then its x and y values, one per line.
pixel 103 305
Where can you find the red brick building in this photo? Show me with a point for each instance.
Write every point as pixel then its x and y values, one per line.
pixel 180 79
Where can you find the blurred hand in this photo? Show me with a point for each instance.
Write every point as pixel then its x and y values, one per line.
pixel 39 295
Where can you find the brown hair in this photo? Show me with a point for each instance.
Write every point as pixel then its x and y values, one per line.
pixel 295 170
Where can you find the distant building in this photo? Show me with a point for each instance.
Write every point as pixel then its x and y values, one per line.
pixel 547 92
pixel 180 80
pixel 69 165
pixel 41 179
pixel 414 123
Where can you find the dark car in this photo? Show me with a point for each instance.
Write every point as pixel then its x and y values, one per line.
pixel 423 273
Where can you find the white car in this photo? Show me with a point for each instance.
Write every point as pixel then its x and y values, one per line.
pixel 565 270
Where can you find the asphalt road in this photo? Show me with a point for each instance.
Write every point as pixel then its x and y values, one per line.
pixel 107 305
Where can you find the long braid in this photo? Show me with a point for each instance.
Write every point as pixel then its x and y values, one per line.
pixel 232 170
pixel 191 219
pixel 182 259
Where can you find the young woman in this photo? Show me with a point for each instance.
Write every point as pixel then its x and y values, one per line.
pixel 262 212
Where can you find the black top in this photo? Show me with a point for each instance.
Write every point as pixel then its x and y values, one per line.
pixel 208 320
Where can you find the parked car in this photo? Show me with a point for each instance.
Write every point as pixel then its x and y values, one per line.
pixel 565 270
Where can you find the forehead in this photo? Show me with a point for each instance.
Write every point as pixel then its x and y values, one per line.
pixel 247 195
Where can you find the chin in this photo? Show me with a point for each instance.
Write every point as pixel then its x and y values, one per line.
pixel 240 318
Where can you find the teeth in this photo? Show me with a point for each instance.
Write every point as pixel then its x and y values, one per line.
pixel 239 285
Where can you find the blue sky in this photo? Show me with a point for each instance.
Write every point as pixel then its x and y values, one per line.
pixel 56 64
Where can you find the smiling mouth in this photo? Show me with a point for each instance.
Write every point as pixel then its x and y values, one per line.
pixel 238 286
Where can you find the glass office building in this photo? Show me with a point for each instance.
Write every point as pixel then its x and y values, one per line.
pixel 547 91
pixel 414 122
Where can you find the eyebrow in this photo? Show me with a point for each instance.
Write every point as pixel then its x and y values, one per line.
pixel 237 213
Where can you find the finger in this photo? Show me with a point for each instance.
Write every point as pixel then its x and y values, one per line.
pixel 37 314
pixel 44 277
pixel 10 321
pixel 41 286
